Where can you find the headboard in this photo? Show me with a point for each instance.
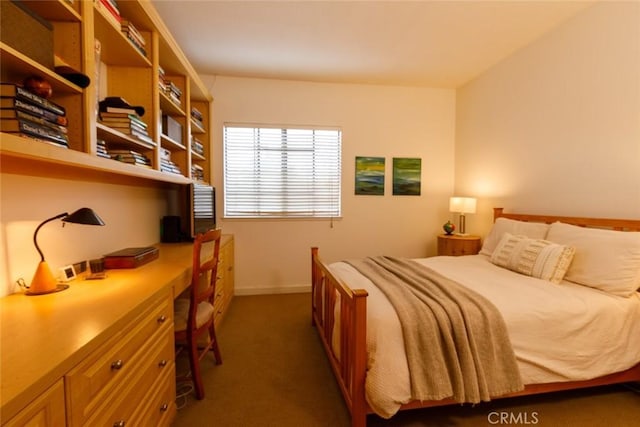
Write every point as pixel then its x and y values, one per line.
pixel 614 224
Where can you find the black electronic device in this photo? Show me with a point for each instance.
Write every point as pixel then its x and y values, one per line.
pixel 192 210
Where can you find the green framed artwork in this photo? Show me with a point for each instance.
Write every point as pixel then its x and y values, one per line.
pixel 369 176
pixel 406 176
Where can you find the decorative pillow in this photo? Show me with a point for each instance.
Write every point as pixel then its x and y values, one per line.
pixel 533 257
pixel 533 230
pixel 605 259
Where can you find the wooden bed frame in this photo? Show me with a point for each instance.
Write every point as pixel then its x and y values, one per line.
pixel 350 368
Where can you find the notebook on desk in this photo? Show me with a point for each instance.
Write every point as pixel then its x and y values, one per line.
pixel 130 257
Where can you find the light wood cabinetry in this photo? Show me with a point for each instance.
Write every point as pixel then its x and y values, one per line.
pixel 45 411
pixel 112 385
pixel 457 244
pixel 117 68
pixel 225 283
pixel 100 352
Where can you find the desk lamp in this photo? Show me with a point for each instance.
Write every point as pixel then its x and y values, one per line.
pixel 43 281
pixel 462 205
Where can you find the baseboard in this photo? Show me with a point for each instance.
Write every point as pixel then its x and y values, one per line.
pixel 296 289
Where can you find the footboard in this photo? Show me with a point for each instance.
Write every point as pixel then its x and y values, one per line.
pixel 348 357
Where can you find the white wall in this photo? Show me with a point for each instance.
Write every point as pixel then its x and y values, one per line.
pixel 555 128
pixel 274 255
pixel 131 213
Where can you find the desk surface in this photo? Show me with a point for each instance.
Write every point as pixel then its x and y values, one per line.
pixel 44 336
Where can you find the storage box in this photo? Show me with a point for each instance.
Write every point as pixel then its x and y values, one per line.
pixel 27 32
pixel 171 128
pixel 130 257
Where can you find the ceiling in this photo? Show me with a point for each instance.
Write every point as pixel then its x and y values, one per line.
pixel 415 43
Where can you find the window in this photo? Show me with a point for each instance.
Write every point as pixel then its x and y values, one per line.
pixel 272 172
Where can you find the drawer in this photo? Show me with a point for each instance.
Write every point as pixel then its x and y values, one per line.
pixel 160 409
pixel 89 383
pixel 120 406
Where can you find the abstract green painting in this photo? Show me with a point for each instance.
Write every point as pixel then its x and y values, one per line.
pixel 370 176
pixel 406 176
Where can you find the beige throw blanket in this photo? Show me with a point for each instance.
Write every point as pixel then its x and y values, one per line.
pixel 455 339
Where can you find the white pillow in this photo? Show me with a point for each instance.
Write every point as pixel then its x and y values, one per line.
pixel 533 257
pixel 605 259
pixel 533 230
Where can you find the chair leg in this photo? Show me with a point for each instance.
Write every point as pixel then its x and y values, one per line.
pixel 214 344
pixel 194 363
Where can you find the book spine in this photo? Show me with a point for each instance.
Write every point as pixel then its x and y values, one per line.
pixel 41 112
pixel 41 121
pixel 40 101
pixel 38 131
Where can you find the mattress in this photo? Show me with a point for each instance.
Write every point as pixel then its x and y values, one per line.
pixel 559 332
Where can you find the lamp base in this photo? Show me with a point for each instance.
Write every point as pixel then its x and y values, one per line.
pixel 59 287
pixel 43 281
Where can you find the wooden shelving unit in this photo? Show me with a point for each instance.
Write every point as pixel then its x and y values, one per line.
pixel 120 69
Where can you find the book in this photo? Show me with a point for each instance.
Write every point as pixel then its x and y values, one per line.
pixel 12 113
pixel 33 129
pixel 107 14
pixel 122 118
pixel 12 90
pixel 18 104
pixel 119 110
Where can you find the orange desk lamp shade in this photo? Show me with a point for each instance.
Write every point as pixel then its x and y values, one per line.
pixel 44 281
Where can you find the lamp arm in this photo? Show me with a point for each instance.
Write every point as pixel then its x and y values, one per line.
pixel 35 234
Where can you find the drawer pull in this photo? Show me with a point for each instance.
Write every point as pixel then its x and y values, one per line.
pixel 162 319
pixel 163 363
pixel 120 423
pixel 117 365
pixel 164 407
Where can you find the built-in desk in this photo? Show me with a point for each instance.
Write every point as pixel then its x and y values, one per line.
pixel 46 337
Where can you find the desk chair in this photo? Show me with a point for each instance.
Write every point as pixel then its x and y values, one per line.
pixel 194 315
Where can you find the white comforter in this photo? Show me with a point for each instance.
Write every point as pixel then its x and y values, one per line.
pixel 562 332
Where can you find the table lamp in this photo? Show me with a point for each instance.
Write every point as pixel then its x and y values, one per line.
pixel 43 280
pixel 462 205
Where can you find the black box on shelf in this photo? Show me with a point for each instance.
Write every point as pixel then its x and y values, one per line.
pixel 171 128
pixel 27 32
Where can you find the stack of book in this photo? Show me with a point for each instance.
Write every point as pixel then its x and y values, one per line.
pixel 134 36
pixel 166 165
pixel 162 82
pixel 196 116
pixel 127 122
pixel 173 92
pixel 30 115
pixel 197 172
pixel 110 11
pixel 130 157
pixel 196 146
pixel 102 149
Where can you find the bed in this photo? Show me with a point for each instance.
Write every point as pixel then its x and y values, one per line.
pixel 595 300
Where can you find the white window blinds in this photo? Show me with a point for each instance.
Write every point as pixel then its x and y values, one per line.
pixel 272 172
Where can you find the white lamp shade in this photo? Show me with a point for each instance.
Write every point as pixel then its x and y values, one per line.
pixel 462 205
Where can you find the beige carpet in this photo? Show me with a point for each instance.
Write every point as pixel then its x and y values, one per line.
pixel 275 374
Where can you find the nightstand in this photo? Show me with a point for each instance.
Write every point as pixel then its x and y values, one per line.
pixel 457 244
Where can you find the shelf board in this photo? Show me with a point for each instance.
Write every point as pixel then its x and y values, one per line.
pixel 29 157
pixel 171 144
pixel 54 10
pixel 197 156
pixel 22 65
pixel 116 49
pixel 196 127
pixel 115 136
pixel 169 107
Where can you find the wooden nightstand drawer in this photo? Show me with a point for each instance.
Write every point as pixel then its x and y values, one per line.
pixel 456 245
